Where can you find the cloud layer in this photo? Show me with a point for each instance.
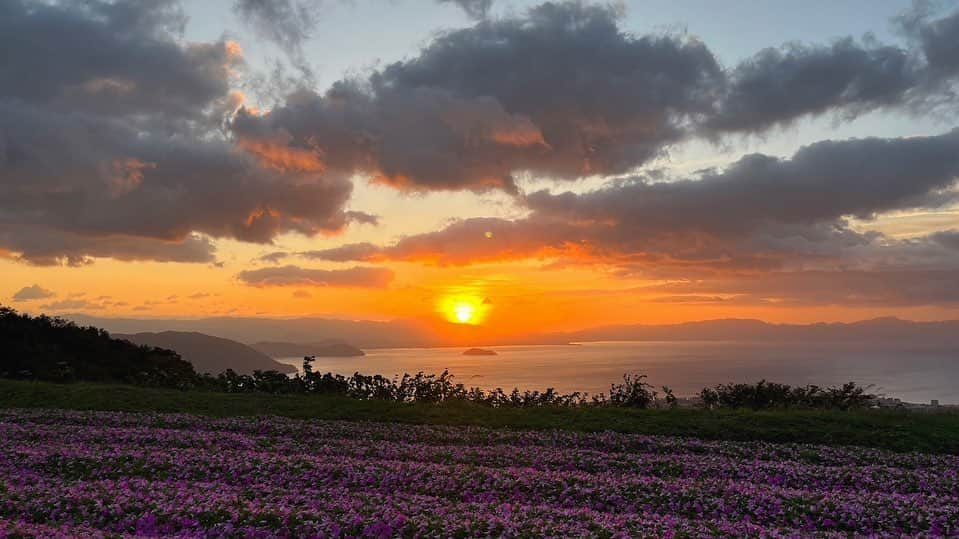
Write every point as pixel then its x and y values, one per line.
pixel 133 143
pixel 563 92
pixel 33 292
pixel 361 277
pixel 759 216
pixel 112 149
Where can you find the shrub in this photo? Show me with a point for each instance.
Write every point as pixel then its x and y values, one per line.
pixel 765 395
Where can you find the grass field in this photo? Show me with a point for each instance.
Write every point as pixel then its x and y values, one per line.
pixel 899 431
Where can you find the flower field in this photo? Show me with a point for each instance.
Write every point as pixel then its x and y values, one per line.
pixel 95 474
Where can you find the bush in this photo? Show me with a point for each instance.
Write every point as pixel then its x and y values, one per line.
pixel 766 395
pixel 634 392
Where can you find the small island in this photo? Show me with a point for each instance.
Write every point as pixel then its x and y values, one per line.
pixel 479 352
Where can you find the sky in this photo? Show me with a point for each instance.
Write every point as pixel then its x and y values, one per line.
pixel 511 165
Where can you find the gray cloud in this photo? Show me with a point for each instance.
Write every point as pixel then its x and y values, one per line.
pixel 938 39
pixel 822 181
pixel 43 246
pixel 273 258
pixel 857 288
pixel 560 92
pixel 113 148
pixel 847 78
pixel 779 85
pixel 363 277
pixel 947 238
pixel 116 152
pixel 759 214
pixel 110 58
pixel 563 92
pixel 33 292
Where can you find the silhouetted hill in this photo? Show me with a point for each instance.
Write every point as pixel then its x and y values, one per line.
pixel 210 354
pixel 330 348
pixel 53 349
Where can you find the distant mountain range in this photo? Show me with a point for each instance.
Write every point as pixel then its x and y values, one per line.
pixel 395 334
pixel 330 348
pixel 880 331
pixel 363 334
pixel 209 354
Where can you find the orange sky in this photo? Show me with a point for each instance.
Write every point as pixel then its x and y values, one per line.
pixel 520 296
pixel 638 174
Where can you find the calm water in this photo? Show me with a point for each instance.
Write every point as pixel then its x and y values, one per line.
pixel 912 375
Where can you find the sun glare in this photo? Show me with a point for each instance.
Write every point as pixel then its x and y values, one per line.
pixel 464 313
pixel 464 309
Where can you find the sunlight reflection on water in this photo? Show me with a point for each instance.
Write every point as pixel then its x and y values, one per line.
pixel 912 375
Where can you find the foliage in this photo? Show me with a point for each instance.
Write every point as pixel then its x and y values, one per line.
pixel 634 392
pixel 53 349
pixel 765 395
pixel 896 429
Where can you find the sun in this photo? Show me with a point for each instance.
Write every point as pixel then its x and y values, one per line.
pixel 464 308
pixel 464 313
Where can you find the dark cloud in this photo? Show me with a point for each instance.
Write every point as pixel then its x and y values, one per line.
pixel 561 92
pixel 759 214
pixel 110 58
pixel 857 288
pixel 822 181
pixel 33 292
pixel 938 39
pixel 160 187
pixel 847 78
pixel 779 85
pixel 363 277
pixel 947 238
pixel 43 246
pixel 113 148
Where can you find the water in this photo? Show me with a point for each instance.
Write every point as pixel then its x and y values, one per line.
pixel 686 367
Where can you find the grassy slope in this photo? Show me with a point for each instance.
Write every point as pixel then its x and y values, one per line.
pixel 901 431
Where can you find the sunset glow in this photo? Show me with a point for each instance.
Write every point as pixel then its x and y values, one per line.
pixel 461 191
pixel 464 309
pixel 428 226
pixel 464 313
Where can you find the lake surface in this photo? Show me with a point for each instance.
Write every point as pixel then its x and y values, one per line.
pixel 912 375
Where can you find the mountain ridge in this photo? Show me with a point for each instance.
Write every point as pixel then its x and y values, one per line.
pixel 404 333
pixel 207 353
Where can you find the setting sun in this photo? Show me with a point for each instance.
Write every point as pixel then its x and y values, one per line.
pixel 464 308
pixel 464 313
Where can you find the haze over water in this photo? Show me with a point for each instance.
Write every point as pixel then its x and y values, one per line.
pixel 686 367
